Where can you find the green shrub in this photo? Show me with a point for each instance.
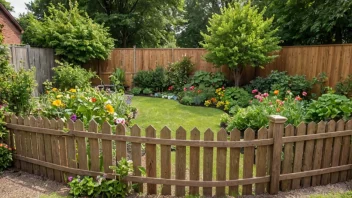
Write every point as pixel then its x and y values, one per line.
pixel 5 157
pixel 237 96
pixel 178 73
pixel 208 79
pixel 345 87
pixel 3 129
pixel 68 76
pixel 147 91
pixel 117 78
pixel 196 95
pixel 329 106
pixel 159 79
pixel 136 90
pixel 143 79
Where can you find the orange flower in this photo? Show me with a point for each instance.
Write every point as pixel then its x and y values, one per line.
pixel 278 110
pixel 276 92
pixel 93 99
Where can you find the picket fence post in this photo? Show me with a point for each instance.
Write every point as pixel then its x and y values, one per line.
pixel 277 127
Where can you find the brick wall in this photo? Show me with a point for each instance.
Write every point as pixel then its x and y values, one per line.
pixel 11 34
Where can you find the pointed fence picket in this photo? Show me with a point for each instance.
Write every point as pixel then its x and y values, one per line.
pixel 283 158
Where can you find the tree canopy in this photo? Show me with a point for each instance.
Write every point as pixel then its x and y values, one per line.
pixel 240 36
pixel 7 5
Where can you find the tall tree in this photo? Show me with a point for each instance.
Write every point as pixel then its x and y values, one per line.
pixel 7 5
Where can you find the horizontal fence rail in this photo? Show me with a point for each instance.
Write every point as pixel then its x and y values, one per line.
pixel 267 160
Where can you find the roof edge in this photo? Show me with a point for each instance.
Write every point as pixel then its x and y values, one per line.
pixel 12 19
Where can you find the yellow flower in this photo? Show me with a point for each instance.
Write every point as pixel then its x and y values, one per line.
pixel 59 96
pixel 73 90
pixel 207 103
pixel 57 103
pixel 219 104
pixel 54 89
pixel 227 102
pixel 109 108
pixel 72 97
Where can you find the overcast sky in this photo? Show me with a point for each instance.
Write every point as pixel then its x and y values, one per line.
pixel 19 6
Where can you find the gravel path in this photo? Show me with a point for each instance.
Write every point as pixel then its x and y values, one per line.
pixel 23 185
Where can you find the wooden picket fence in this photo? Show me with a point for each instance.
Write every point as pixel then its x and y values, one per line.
pixel 283 158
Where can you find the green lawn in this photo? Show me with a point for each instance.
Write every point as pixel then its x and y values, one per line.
pixel 160 112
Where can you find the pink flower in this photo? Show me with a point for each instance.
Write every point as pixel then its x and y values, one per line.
pixel 170 88
pixel 184 89
pixel 261 99
pixel 191 88
pixel 282 103
pixel 254 91
pixel 304 93
pixel 265 95
pixel 70 178
pixel 223 87
pixel 120 121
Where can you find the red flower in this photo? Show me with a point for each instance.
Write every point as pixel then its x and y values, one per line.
pixel 191 88
pixel 170 88
pixel 184 89
pixel 94 99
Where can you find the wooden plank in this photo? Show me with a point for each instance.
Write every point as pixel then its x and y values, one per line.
pixel 28 143
pixel 137 155
pixel 349 173
pixel 180 161
pixel 328 152
pixel 150 150
pixel 346 142
pixel 194 159
pixel 14 120
pixel 48 149
pixel 121 149
pixel 71 148
pixel 287 163
pixel 55 151
pixel 234 162
pixel 94 147
pixel 41 147
pixel 208 162
pixel 318 153
pixel 106 149
pixel 81 147
pixel 308 153
pixel 261 161
pixel 34 148
pixel 24 165
pixel 221 162
pixel 248 161
pixel 63 151
pixel 340 126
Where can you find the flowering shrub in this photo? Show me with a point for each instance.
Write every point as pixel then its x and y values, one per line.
pixel 3 130
pixel 85 105
pixel 178 73
pixel 195 95
pixel 229 97
pixel 256 115
pixel 5 157
pixel 102 187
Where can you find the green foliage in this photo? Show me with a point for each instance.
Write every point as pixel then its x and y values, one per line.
pixel 7 5
pixel 196 95
pixel 320 81
pixel 178 73
pixel 68 76
pixel 237 96
pixel 208 79
pixel 240 36
pixel 147 91
pixel 75 37
pixel 329 106
pixel 3 130
pixel 117 78
pixel 136 90
pixel 159 79
pixel 5 157
pixel 345 87
pixel 102 187
pixel 143 79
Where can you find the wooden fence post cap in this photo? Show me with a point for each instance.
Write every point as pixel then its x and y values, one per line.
pixel 277 119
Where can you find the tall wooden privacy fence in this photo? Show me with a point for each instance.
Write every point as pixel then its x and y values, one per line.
pixel 283 158
pixel 334 60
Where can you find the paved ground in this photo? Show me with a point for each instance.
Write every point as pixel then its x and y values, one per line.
pixel 23 185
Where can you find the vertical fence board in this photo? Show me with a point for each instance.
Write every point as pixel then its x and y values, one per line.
pixel 208 162
pixel 180 162
pixel 221 163
pixel 308 151
pixel 41 147
pixel 18 144
pixel 340 126
pixel 55 151
pixel 71 148
pixel 194 159
pixel 33 123
pixel 349 173
pixel 107 148
pixel 24 165
pixel 94 147
pixel 346 141
pixel 28 145
pixel 48 149
pixel 261 161
pixel 318 153
pixel 287 163
pixel 63 151
pixel 248 161
pixel 327 153
pixel 82 147
pixel 150 150
pixel 136 154
pixel 234 162
pixel 121 149
pixel 297 161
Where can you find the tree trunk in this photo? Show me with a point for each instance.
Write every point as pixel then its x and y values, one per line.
pixel 237 74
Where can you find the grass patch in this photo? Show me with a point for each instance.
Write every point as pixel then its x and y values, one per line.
pixel 347 194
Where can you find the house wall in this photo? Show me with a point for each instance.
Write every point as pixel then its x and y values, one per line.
pixel 11 34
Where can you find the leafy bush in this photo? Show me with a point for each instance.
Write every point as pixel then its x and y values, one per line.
pixel 345 87
pixel 85 105
pixel 3 129
pixel 147 91
pixel 5 157
pixel 136 90
pixel 196 95
pixel 75 37
pixel 154 80
pixel 68 76
pixel 102 187
pixel 178 73
pixel 329 106
pixel 227 98
pixel 117 78
pixel 159 78
pixel 208 79
pixel 143 79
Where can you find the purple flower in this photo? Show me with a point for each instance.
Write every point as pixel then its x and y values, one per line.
pixel 70 178
pixel 74 117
